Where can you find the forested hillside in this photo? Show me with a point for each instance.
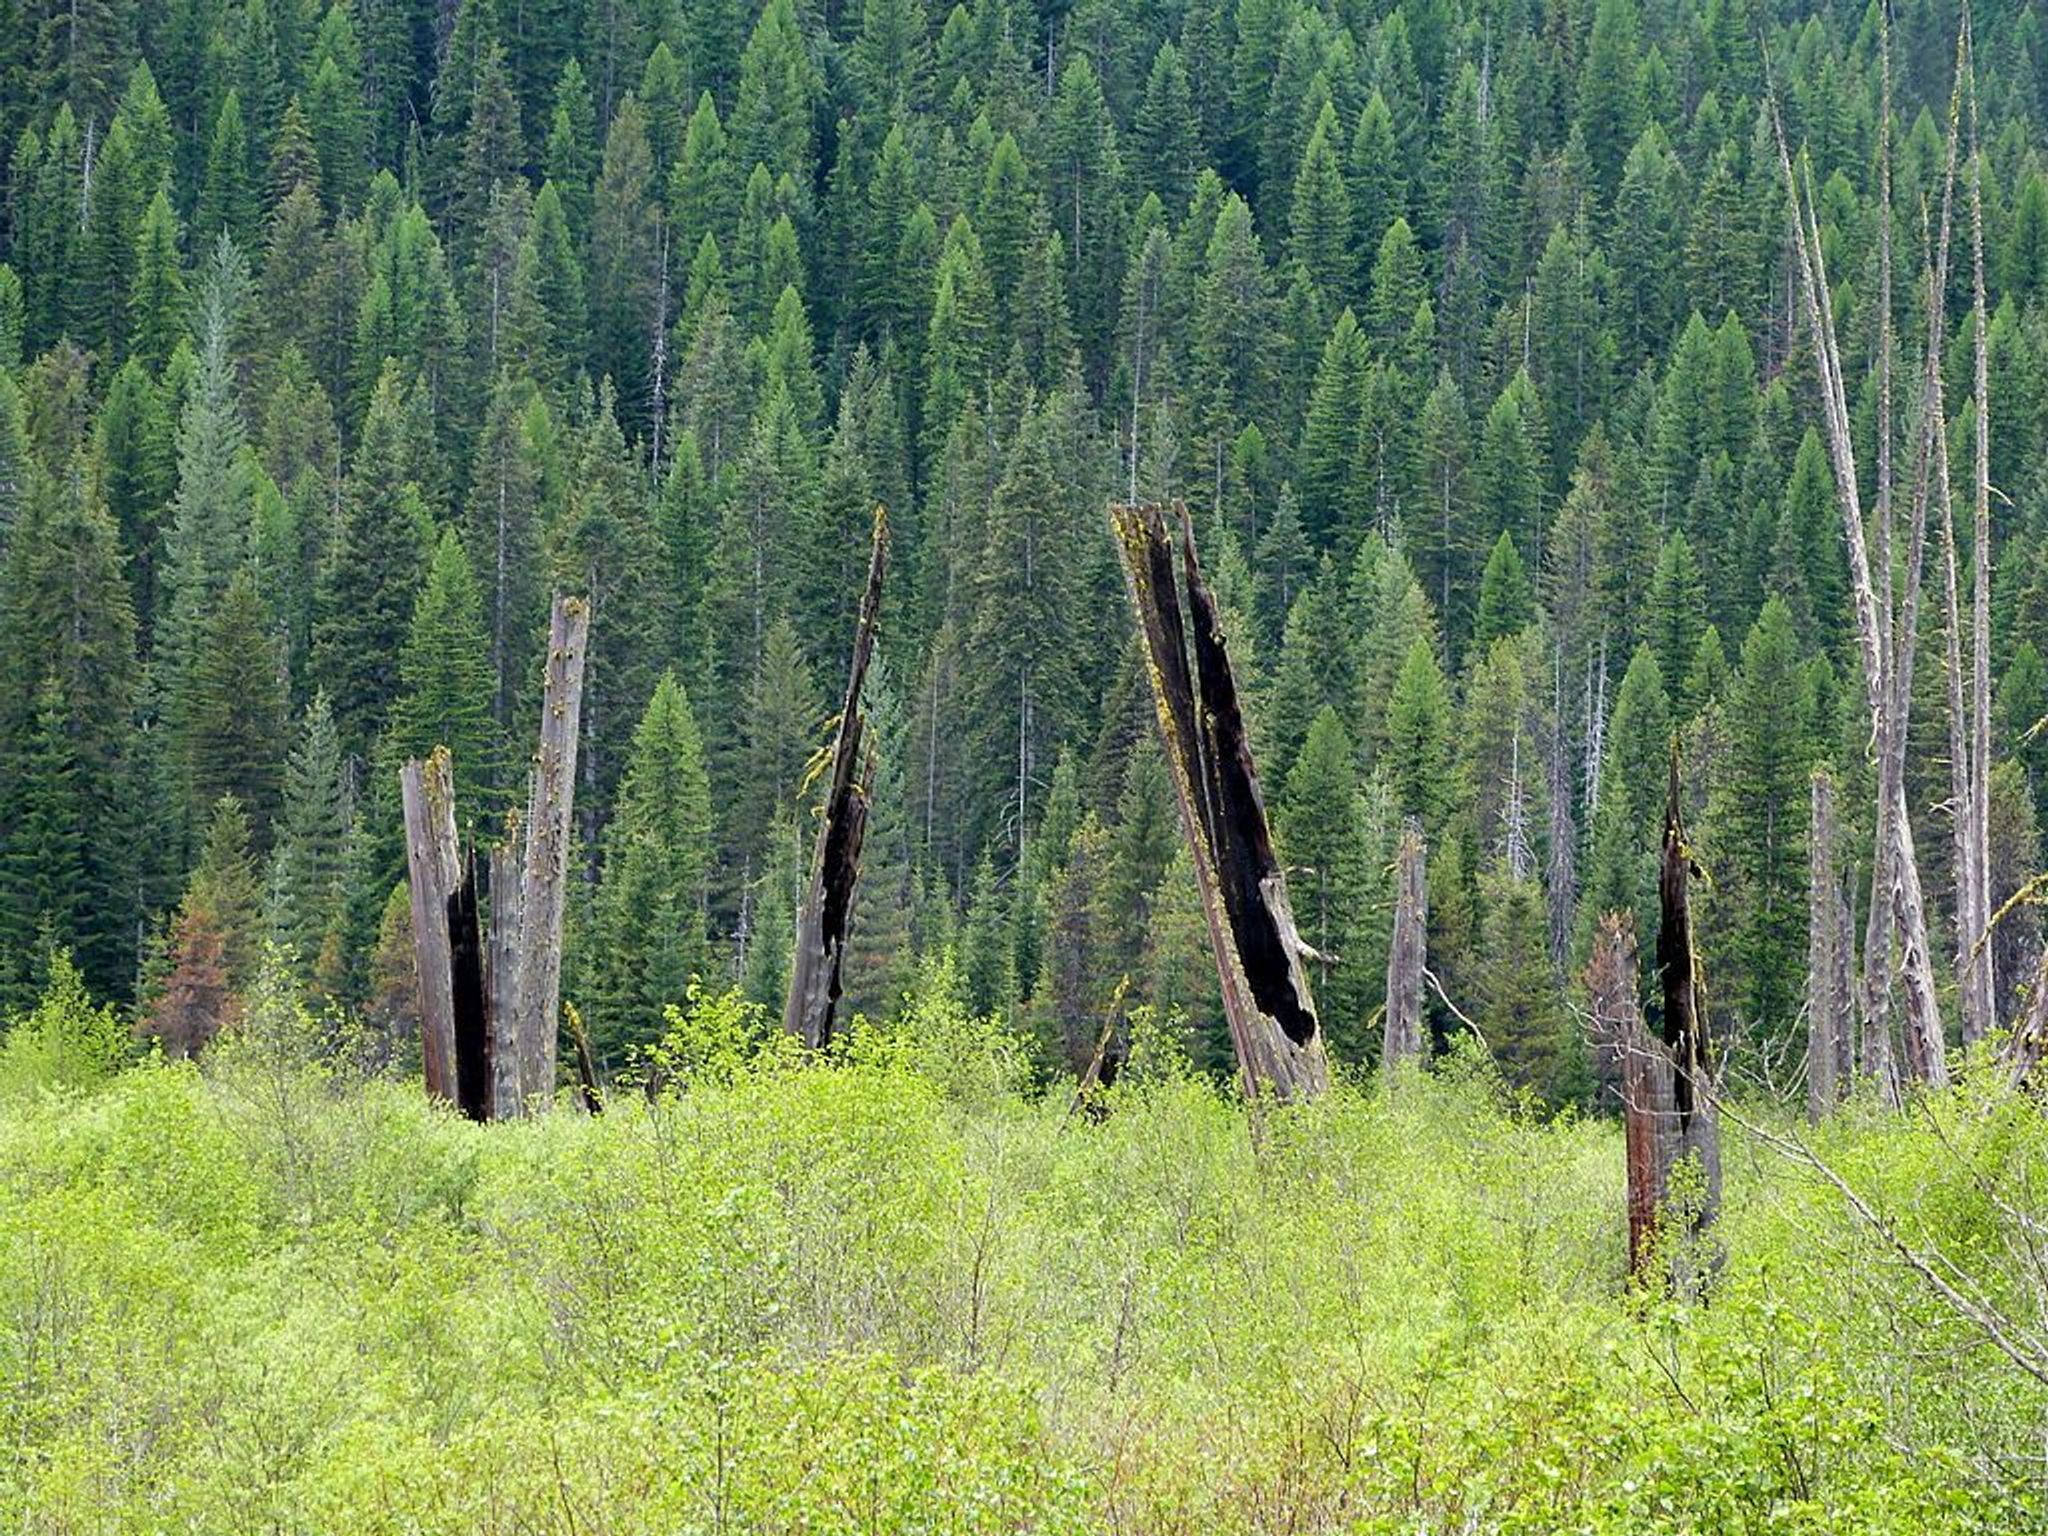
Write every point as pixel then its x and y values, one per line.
pixel 333 342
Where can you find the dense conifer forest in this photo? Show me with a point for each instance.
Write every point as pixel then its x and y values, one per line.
pixel 1611 435
pixel 332 342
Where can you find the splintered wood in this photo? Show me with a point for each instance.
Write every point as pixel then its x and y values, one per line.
pixel 825 917
pixel 488 1004
pixel 1402 1036
pixel 1685 1037
pixel 1266 997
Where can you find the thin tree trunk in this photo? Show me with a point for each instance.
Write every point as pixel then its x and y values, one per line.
pixel 1266 998
pixel 1649 1118
pixel 826 916
pixel 502 971
pixel 1402 1038
pixel 1980 1016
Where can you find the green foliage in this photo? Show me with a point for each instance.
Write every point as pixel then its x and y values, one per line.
pixel 64 1043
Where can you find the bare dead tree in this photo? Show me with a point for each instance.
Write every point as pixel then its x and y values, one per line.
pixel 488 1003
pixel 1266 998
pixel 1649 1118
pixel 1827 970
pixel 1401 1039
pixel 427 793
pixel 1885 642
pixel 1980 1014
pixel 1685 1031
pixel 826 915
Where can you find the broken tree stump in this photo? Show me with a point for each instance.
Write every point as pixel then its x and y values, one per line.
pixel 488 1003
pixel 1401 1037
pixel 1648 1116
pixel 1266 997
pixel 536 994
pixel 427 793
pixel 825 916
pixel 1685 1033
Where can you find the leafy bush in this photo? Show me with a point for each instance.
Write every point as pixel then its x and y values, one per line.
pixel 889 1292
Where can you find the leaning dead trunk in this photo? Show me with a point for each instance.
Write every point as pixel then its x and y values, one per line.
pixel 1266 997
pixel 1402 1037
pixel 1685 1035
pixel 826 916
pixel 1827 967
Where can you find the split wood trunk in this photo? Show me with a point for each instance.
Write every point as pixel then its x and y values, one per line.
pixel 824 920
pixel 488 1002
pixel 1259 953
pixel 427 792
pixel 536 994
pixel 1401 1039
pixel 1685 1034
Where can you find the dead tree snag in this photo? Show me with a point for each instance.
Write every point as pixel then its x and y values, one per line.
pixel 427 791
pixel 1266 997
pixel 488 1002
pixel 1401 1038
pixel 536 999
pixel 1649 1118
pixel 1685 1036
pixel 825 918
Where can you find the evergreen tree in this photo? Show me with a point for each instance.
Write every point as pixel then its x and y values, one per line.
pixel 1418 754
pixel 446 684
pixel 308 862
pixel 649 924
pixel 1507 602
pixel 1626 812
pixel 231 716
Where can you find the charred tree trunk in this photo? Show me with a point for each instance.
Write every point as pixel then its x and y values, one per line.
pixel 1266 997
pixel 1827 967
pixel 1685 1036
pixel 502 973
pixel 1402 1037
pixel 826 916
pixel 536 991
pixel 1649 1117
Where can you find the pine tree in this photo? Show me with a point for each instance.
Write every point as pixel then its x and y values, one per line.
pixel 1418 754
pixel 1757 826
pixel 446 683
pixel 1677 619
pixel 1320 212
pixel 363 597
pixel 45 894
pixel 1507 602
pixel 1537 1043
pixel 1621 870
pixel 231 714
pixel 136 447
pixel 1330 438
pixel 650 911
pixel 1165 143
pixel 1321 827
pixel 778 91
pixel 156 300
pixel 625 251
pixel 308 871
pixel 227 197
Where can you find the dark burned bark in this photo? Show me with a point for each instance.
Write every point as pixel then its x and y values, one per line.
pixel 1266 997
pixel 1685 1036
pixel 487 1008
pixel 1644 1070
pixel 1402 1035
pixel 472 1008
pixel 825 918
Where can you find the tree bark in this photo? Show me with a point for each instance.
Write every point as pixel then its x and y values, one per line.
pixel 502 972
pixel 427 791
pixel 1266 997
pixel 543 882
pixel 1402 1037
pixel 825 917
pixel 1685 1032
pixel 1649 1118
